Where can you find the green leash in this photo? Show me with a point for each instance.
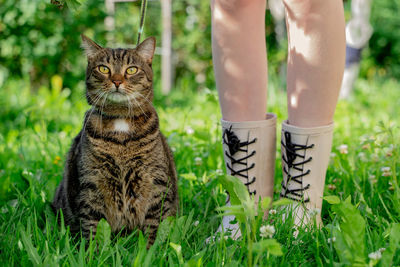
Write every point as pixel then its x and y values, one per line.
pixel 143 9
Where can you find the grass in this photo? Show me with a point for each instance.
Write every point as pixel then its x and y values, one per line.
pixel 361 213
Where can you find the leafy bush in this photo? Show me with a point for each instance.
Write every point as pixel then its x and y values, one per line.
pixel 382 55
pixel 40 40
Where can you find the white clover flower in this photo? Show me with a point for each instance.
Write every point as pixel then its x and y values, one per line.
pixel 331 187
pixel 200 78
pixel 272 212
pixel 366 146
pixel 375 157
pixel 189 130
pixel 375 255
pixel 389 151
pixel 314 212
pixel 219 171
pixel 196 223
pixel 386 171
pixel 362 156
pixel 333 154
pixel 173 149
pixel 267 231
pixel 198 161
pixel 381 250
pixel 331 240
pixel 20 246
pixel 4 209
pixel 343 149
pixel 297 242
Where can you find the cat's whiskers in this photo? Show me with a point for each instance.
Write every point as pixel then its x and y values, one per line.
pixel 129 109
pixel 101 117
pixel 101 112
pixel 137 103
pixel 145 98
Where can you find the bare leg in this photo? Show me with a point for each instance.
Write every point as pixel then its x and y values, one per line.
pixel 240 66
pixel 240 58
pixel 316 60
pixel 315 69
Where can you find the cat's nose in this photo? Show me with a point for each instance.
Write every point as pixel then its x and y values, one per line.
pixel 117 83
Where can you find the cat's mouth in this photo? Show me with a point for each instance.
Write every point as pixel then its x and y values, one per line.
pixel 119 97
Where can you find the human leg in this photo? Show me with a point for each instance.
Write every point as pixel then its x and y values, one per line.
pixel 240 58
pixel 240 66
pixel 315 68
pixel 316 60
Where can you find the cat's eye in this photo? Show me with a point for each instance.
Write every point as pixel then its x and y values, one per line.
pixel 104 69
pixel 131 70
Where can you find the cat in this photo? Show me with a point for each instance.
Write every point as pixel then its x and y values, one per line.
pixel 120 166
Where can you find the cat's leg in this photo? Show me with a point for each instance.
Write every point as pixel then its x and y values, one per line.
pixel 90 207
pixel 240 66
pixel 316 33
pixel 163 204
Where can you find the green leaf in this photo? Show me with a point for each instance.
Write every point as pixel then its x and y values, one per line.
pixel 164 230
pixel 239 198
pixel 103 233
pixel 196 260
pixel 30 249
pixel 350 239
pixel 73 4
pixel 178 251
pixel 189 176
pixel 237 191
pixel 265 203
pixel 333 200
pixel 270 245
pixel 394 244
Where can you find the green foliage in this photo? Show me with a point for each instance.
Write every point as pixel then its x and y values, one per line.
pixel 40 43
pixel 40 40
pixel 349 234
pixel 244 209
pixel 384 47
pixel 44 41
pixel 36 130
pixel 394 241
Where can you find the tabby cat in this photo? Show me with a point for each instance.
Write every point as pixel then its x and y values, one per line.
pixel 119 167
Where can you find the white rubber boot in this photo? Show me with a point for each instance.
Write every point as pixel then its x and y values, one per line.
pixel 249 153
pixel 305 159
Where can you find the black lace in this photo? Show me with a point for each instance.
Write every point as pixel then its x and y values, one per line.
pixel 234 145
pixel 291 154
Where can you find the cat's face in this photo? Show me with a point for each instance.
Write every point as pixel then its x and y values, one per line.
pixel 119 78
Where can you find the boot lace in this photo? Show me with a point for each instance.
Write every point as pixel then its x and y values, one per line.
pixel 235 145
pixel 291 154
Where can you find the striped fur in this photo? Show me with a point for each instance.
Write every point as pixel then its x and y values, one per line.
pixel 119 167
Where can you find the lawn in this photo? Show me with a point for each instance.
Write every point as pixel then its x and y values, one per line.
pixel 361 211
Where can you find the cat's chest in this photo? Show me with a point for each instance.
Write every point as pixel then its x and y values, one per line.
pixel 126 193
pixel 120 126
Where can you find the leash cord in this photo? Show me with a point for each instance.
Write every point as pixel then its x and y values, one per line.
pixel 143 9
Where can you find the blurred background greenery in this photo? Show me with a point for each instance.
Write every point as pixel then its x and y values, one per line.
pixel 38 40
pixel 42 105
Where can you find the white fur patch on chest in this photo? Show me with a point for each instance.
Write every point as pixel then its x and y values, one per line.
pixel 120 125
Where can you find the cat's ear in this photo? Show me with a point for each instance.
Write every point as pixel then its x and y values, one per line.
pixel 89 46
pixel 146 49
